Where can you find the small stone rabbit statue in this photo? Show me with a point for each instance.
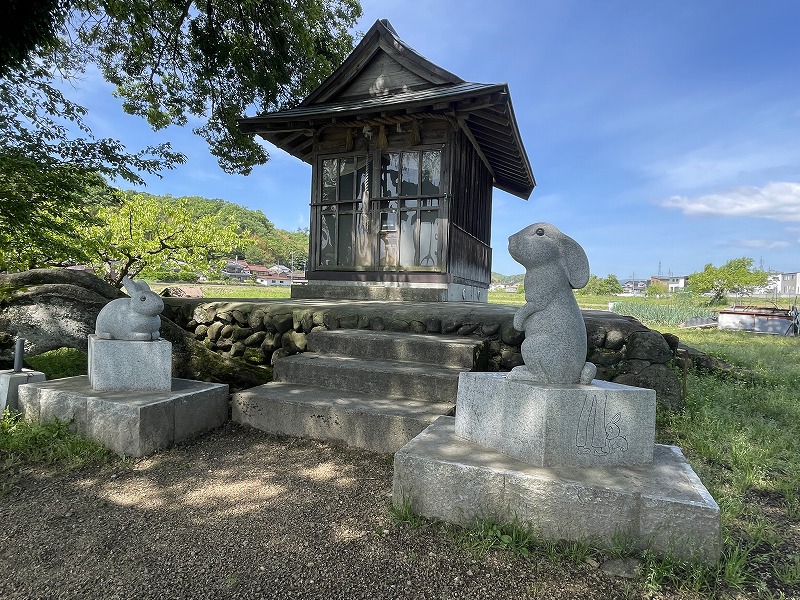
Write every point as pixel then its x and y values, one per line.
pixel 135 318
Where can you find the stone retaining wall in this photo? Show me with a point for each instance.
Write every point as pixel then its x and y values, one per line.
pixel 624 350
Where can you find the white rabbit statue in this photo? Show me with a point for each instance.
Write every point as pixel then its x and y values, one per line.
pixel 135 318
pixel 554 350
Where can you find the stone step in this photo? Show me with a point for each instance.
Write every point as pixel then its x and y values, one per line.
pixel 379 378
pixel 451 351
pixel 358 420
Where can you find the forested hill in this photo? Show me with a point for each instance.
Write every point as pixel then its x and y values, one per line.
pixel 507 279
pixel 262 242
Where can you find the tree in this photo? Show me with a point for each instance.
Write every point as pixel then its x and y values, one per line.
pixel 608 286
pixel 657 288
pixel 51 178
pixel 45 214
pixel 144 235
pixel 170 60
pixel 215 59
pixel 613 286
pixel 736 276
pixel 26 26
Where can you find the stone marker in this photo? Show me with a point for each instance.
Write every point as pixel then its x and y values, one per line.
pixel 10 381
pixel 129 423
pixel 662 506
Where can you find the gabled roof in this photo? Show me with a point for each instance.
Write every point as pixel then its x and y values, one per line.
pixel 383 81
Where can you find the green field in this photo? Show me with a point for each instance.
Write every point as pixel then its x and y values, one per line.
pixel 237 291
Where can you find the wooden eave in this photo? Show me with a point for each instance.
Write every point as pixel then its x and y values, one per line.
pixel 483 111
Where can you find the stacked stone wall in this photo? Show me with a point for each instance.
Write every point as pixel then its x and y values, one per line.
pixel 624 350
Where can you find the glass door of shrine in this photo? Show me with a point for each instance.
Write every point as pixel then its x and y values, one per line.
pixel 386 218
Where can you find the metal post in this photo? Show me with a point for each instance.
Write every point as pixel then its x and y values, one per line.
pixel 19 352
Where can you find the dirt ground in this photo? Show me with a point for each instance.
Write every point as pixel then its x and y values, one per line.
pixel 240 514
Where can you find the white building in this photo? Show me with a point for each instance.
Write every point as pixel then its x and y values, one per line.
pixel 674 283
pixel 787 284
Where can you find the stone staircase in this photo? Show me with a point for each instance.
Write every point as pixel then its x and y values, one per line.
pixel 367 389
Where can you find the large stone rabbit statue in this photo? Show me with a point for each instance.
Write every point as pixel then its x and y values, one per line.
pixel 554 349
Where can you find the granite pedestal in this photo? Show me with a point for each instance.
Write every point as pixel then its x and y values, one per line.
pixel 574 462
pixel 550 425
pixel 9 384
pixel 132 423
pixel 662 506
pixel 119 365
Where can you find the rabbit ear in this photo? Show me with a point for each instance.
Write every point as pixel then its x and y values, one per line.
pixel 575 262
pixel 616 418
pixel 129 285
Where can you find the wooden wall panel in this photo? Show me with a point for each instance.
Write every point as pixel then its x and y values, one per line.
pixel 471 208
pixel 381 77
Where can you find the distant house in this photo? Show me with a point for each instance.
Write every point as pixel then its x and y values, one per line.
pixel 242 271
pixel 674 283
pixel 286 280
pixel 259 271
pixel 279 270
pixel 237 269
pixel 635 287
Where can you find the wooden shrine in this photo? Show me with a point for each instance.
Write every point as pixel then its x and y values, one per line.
pixel 404 158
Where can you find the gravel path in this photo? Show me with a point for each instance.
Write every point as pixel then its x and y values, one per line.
pixel 240 514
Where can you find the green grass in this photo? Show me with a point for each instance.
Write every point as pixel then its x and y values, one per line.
pixel 230 290
pixel 663 314
pixel 505 298
pixel 486 535
pixel 63 362
pixel 741 433
pixel 404 513
pixel 245 291
pixel 23 443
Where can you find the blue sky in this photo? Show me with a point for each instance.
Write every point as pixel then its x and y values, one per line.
pixel 660 133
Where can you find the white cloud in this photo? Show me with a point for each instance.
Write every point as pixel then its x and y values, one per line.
pixel 779 201
pixel 725 163
pixel 760 244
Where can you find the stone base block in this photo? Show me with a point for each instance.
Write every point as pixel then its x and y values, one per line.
pixel 663 506
pixel 10 382
pixel 546 425
pixel 124 365
pixel 129 423
pixel 387 291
